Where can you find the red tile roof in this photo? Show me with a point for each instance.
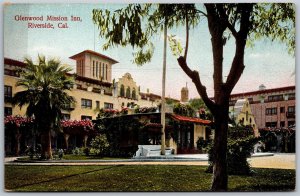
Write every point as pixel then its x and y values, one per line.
pixel 190 119
pixel 263 91
pixel 8 61
pixel 94 53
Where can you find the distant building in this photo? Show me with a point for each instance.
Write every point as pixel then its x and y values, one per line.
pixel 93 89
pixel 271 107
pixel 241 113
pixel 184 94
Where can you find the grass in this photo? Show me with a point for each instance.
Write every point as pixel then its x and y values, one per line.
pixel 91 157
pixel 138 178
pixel 76 157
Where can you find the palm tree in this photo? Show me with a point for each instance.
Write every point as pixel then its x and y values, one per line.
pixel 45 95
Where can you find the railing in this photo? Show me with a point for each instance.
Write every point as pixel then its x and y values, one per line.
pixel 68 107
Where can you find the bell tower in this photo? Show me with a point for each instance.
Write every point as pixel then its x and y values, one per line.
pixel 184 94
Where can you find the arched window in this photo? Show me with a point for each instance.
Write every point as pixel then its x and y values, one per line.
pixel 96 69
pixel 128 92
pixel 122 90
pixel 106 72
pixel 93 68
pixel 133 94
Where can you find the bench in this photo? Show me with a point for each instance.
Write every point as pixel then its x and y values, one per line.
pixel 151 150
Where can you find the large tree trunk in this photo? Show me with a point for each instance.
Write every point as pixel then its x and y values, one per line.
pixel 217 23
pixel 46 143
pixel 220 175
pixel 17 145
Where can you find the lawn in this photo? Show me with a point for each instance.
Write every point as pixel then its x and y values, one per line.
pixel 138 178
pixel 76 157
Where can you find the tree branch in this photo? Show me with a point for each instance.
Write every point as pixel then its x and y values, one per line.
pixel 237 66
pixel 187 34
pixel 216 29
pixel 199 11
pixel 194 75
pixel 224 19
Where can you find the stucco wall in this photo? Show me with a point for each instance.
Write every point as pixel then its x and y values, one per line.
pixel 199 131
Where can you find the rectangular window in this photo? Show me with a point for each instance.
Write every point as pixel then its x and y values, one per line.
pixel 7 111
pixel 291 96
pixel 86 103
pixel 7 91
pixel 103 70
pixel 78 67
pixel 271 111
pixel 282 124
pixel 97 104
pixel 82 65
pixel 108 105
pixel 271 124
pixel 93 68
pixel 282 109
pixel 65 116
pixel 100 76
pixel 83 117
pixel 291 109
pixel 106 72
pixel 97 69
pixel 275 98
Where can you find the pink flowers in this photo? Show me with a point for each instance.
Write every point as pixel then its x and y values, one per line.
pixel 77 123
pixel 145 109
pixel 17 120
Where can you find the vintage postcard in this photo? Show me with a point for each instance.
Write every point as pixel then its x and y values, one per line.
pixel 149 97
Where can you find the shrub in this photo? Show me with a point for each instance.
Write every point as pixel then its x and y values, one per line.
pixel 99 145
pixel 239 147
pixel 202 144
pixel 77 151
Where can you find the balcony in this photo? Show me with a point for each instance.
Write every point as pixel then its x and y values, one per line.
pixel 68 107
pixel 290 114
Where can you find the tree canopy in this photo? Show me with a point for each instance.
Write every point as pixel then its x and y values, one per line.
pixel 45 94
pixel 135 24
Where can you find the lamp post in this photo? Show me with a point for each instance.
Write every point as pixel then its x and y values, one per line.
pixel 163 101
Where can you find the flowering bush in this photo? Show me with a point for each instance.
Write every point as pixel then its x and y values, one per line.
pixel 77 123
pixel 145 109
pixel 17 120
pixel 124 110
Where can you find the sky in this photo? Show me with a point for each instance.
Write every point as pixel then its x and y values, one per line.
pixel 266 63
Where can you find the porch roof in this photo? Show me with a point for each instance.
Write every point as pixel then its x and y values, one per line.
pixel 190 119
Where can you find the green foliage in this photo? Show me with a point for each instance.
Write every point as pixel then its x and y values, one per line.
pixel 122 134
pixel 199 105
pixel 275 21
pixel 99 145
pixel 136 24
pixel 175 45
pixel 184 110
pixel 239 147
pixel 202 144
pixel 45 93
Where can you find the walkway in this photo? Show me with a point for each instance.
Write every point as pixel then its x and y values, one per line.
pixel 281 161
